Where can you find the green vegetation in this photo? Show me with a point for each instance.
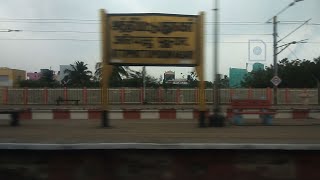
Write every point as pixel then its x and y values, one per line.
pixel 46 80
pixel 294 74
pixel 78 76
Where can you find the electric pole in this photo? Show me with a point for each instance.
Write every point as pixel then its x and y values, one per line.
pixel 276 80
pixel 217 119
pixel 216 56
pixel 275 59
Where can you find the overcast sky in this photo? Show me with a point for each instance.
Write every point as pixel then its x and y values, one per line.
pixel 41 44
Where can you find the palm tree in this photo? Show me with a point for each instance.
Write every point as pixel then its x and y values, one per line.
pixel 47 76
pixel 78 75
pixel 117 72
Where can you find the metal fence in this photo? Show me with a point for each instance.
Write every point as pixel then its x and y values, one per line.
pixel 152 96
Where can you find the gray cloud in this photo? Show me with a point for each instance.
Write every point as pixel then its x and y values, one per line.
pixel 33 55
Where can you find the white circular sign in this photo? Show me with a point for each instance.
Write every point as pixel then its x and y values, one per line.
pixel 257 50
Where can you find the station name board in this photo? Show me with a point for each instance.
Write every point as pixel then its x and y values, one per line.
pixel 153 39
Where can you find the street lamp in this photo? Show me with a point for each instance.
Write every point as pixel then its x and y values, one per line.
pixel 275 48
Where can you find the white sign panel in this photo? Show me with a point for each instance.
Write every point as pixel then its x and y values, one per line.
pixel 276 80
pixel 257 50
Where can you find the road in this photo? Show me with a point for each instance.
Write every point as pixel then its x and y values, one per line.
pixel 159 131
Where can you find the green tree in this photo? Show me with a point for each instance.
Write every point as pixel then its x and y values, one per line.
pixel 32 84
pixel 315 68
pixel 47 76
pixel 46 80
pixel 118 73
pixel 294 74
pixel 224 82
pixel 258 79
pixel 136 80
pixel 193 82
pixel 78 75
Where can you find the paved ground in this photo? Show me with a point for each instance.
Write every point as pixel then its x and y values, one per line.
pixel 159 131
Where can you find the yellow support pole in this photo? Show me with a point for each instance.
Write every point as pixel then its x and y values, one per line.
pixel 106 68
pixel 200 71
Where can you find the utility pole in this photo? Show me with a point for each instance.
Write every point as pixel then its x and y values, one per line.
pixel 318 85
pixel 217 119
pixel 144 83
pixel 215 59
pixel 275 59
pixel 275 49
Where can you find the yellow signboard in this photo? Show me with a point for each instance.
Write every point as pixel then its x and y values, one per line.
pixel 153 39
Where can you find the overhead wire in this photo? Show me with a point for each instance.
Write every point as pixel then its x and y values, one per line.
pixel 253 34
pixel 96 32
pixel 295 55
pixel 93 21
pixel 46 39
pixel 47 19
pixel 48 22
pixel 241 42
pixel 59 31
pixel 75 39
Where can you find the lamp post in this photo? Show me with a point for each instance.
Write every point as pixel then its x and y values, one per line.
pixel 275 47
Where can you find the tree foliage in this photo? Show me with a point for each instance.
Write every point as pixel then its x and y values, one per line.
pixel 294 74
pixel 46 80
pixel 224 82
pixel 47 76
pixel 136 80
pixel 38 84
pixel 193 82
pixel 78 75
pixel 118 74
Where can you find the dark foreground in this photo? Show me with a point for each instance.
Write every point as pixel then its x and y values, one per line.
pixel 159 164
pixel 160 150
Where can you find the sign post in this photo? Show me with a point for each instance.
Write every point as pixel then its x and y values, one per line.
pixel 153 39
pixel 275 80
pixel 106 70
pixel 200 72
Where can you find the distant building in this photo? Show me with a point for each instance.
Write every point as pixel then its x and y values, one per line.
pixel 236 75
pixel 11 77
pixel 43 71
pixel 257 67
pixel 169 75
pixel 37 75
pixel 178 81
pixel 33 76
pixel 61 73
pixel 48 71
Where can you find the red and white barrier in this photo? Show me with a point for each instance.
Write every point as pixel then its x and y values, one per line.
pixel 136 114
